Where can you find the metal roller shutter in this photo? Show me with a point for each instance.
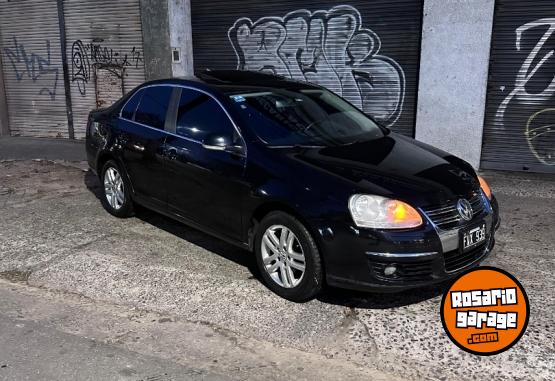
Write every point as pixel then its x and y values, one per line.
pixel 32 67
pixel 367 51
pixel 519 131
pixel 104 52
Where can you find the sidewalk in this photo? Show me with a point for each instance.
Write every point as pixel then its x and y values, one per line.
pixel 23 148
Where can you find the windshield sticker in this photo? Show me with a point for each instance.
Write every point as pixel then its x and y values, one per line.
pixel 238 98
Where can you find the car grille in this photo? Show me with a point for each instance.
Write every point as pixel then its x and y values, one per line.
pixel 415 272
pixel 455 260
pixel 447 217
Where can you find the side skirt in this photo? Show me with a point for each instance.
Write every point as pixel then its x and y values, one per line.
pixel 147 203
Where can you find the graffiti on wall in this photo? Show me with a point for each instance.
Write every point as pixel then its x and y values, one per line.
pixel 33 66
pixel 534 90
pixel 327 47
pixel 85 56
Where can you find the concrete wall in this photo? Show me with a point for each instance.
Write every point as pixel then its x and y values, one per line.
pixel 167 27
pixel 454 65
pixel 156 39
pixel 179 14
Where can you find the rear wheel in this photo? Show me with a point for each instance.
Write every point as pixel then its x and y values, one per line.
pixel 288 257
pixel 115 191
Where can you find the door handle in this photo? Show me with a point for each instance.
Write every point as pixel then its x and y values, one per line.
pixel 138 147
pixel 170 152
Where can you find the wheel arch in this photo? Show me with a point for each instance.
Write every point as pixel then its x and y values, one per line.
pixel 101 160
pixel 268 207
pixel 106 156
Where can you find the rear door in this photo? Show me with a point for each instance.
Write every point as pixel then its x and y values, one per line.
pixel 205 186
pixel 142 136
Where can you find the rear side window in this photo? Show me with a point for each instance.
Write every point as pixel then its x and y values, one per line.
pixel 128 111
pixel 199 115
pixel 154 106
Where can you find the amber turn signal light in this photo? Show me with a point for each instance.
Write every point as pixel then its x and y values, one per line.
pixel 401 213
pixel 485 187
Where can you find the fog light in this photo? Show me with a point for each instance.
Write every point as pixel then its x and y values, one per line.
pixel 390 270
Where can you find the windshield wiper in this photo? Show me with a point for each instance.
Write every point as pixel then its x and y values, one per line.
pixel 353 142
pixel 298 146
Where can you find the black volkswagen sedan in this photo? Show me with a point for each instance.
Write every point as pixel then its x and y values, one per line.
pixel 318 190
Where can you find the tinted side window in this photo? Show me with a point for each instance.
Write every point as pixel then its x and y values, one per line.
pixel 199 115
pixel 131 105
pixel 154 105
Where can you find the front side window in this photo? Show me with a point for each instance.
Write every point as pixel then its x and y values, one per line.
pixel 304 117
pixel 154 106
pixel 199 115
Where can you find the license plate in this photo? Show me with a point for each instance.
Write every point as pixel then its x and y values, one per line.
pixel 473 236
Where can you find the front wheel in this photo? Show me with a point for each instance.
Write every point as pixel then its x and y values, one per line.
pixel 288 258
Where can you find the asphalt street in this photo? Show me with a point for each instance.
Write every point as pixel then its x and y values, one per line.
pixel 51 335
pixel 22 148
pixel 32 351
pixel 55 239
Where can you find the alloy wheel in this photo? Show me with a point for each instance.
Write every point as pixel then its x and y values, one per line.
pixel 114 188
pixel 283 256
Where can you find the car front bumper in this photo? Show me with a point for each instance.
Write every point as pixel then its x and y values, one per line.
pixel 358 258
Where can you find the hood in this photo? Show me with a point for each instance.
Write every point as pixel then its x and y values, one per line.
pixel 395 166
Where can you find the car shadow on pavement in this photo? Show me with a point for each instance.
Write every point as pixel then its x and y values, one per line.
pixel 379 301
pixel 233 253
pixel 331 295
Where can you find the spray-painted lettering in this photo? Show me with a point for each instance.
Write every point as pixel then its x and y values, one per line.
pixel 535 72
pixel 33 66
pixel 327 47
pixel 85 56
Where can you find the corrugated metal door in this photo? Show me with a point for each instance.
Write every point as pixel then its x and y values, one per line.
pixel 32 66
pixel 104 52
pixel 519 131
pixel 367 51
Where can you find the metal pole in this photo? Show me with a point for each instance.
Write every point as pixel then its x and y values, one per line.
pixel 4 121
pixel 67 87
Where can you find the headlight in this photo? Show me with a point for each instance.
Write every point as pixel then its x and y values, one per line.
pixel 485 187
pixel 378 212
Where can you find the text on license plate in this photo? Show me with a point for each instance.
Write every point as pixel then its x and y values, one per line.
pixel 474 236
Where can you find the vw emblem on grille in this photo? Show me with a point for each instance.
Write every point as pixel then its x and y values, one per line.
pixel 465 209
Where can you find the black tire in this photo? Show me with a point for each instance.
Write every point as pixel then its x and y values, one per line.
pixel 126 209
pixel 313 278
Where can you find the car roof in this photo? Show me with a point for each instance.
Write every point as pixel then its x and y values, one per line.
pixel 235 81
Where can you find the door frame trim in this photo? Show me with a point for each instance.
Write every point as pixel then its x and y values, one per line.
pixel 181 136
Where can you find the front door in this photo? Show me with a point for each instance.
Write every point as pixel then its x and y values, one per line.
pixel 205 186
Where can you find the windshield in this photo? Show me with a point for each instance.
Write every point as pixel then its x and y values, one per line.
pixel 283 117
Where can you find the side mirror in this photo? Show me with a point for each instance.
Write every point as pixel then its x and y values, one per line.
pixel 214 142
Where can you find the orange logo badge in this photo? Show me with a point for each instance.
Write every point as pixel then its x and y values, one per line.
pixel 485 311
